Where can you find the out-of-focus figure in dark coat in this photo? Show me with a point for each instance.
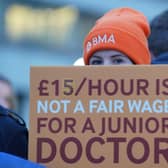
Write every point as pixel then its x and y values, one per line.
pixel 13 131
pixel 158 40
pixel 13 134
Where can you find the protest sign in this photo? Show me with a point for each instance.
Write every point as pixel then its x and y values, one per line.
pixel 99 116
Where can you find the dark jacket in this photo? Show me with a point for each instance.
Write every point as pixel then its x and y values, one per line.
pixel 161 59
pixel 13 134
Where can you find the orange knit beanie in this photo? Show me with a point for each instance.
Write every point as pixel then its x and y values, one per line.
pixel 125 30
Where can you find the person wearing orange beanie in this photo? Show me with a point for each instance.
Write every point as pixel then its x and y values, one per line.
pixel 118 37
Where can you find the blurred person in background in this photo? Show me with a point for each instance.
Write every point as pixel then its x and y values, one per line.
pixel 7 96
pixel 118 38
pixel 158 40
pixel 13 131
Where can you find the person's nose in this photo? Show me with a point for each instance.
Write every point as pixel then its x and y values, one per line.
pixel 108 62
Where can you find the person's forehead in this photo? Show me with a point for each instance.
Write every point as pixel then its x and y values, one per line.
pixel 101 53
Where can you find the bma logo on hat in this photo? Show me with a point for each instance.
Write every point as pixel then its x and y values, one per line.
pixel 96 40
pixel 89 46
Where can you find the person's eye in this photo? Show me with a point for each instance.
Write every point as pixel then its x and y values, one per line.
pixel 118 61
pixel 96 62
